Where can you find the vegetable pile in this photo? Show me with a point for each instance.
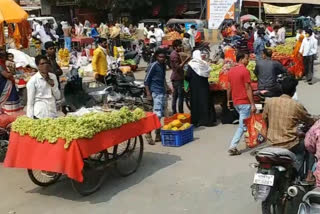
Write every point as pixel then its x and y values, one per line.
pixel 214 73
pixel 177 125
pixel 251 67
pixel 71 127
pixel 217 69
pixel 285 49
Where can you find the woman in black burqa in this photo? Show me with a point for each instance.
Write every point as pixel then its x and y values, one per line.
pixel 202 107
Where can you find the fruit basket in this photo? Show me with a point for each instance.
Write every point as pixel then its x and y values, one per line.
pixel 176 138
pixel 184 118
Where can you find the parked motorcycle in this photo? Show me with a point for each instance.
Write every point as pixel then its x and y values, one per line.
pixel 5 127
pixel 4 141
pixel 278 182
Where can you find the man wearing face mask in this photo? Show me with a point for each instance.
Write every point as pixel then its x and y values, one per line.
pixel 309 48
pixel 43 91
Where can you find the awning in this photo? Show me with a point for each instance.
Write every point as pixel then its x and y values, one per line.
pixel 271 9
pixel 287 1
pixel 31 8
pixel 11 12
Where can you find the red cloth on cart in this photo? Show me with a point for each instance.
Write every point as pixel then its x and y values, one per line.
pixel 218 87
pixel 83 40
pixel 25 152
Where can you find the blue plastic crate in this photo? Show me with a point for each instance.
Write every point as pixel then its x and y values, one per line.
pixel 176 138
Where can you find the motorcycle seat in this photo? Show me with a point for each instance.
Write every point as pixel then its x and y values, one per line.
pixel 277 152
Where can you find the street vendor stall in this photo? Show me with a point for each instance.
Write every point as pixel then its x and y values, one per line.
pixel 16 20
pixel 83 160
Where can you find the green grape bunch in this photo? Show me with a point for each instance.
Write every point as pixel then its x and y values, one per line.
pixel 70 128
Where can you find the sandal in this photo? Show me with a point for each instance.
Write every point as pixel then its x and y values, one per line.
pixel 234 152
pixel 149 139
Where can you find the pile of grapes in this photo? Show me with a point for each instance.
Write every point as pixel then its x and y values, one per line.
pixel 214 73
pixel 71 127
pixel 285 49
pixel 251 67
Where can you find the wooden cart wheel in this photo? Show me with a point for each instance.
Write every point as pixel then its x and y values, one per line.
pixel 94 175
pixel 43 178
pixel 129 159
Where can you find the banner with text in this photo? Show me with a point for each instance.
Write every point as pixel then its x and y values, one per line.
pixel 218 10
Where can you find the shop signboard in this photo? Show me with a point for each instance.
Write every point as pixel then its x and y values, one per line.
pixel 218 10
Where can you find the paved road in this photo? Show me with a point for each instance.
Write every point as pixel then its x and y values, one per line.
pixel 197 178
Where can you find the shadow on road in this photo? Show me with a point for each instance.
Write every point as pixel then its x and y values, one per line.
pixel 152 162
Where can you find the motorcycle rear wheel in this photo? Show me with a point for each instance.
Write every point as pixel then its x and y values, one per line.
pixel 269 207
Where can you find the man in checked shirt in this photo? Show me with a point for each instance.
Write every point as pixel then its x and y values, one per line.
pixel 283 115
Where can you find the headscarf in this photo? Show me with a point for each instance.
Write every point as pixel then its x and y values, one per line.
pixel 200 66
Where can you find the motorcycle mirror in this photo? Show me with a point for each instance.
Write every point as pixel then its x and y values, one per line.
pixel 254 165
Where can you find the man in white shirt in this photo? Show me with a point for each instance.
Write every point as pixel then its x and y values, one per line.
pixel 282 35
pixel 159 34
pixel 43 91
pixel 79 28
pixel 151 32
pixel 309 48
pixel 192 32
pixel 46 34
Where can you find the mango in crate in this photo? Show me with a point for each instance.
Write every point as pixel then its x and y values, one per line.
pixel 174 129
pixel 185 126
pixel 167 127
pixel 176 123
pixel 181 117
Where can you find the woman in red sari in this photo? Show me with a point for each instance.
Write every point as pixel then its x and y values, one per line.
pixel 9 98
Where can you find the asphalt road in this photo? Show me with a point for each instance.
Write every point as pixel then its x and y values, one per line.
pixel 197 178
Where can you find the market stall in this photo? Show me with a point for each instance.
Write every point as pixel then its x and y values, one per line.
pixel 16 21
pixel 75 159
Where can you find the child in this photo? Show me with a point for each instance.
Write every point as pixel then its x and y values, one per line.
pixel 10 64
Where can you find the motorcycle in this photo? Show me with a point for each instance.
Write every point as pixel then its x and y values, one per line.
pixel 4 141
pixel 278 182
pixel 5 127
pixel 148 53
pixel 116 84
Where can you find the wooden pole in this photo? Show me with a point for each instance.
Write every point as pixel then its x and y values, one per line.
pixel 260 10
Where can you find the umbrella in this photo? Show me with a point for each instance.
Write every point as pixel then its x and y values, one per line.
pixel 248 18
pixel 11 12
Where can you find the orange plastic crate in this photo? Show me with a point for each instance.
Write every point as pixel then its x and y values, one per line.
pixel 168 120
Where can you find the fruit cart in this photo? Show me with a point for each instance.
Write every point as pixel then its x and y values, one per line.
pixel 86 160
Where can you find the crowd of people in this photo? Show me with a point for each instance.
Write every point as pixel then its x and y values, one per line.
pixel 255 38
pixel 282 113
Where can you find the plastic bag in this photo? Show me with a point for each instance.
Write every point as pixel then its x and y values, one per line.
pixel 256 130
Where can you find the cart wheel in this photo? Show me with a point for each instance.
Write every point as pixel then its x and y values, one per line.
pixel 128 160
pixel 93 178
pixel 40 177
